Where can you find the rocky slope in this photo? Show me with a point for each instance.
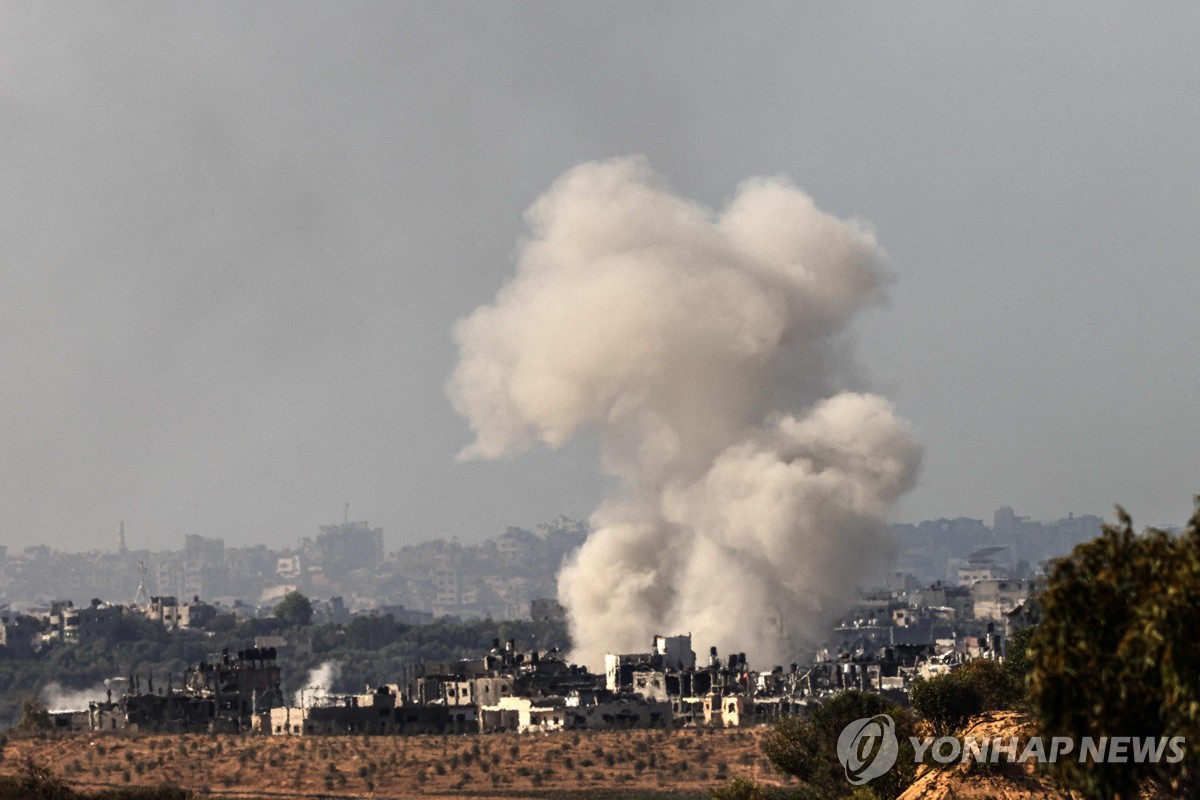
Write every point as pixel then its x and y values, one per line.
pixel 1002 781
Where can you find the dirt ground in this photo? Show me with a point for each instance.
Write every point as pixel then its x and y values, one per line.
pixel 561 765
pixel 966 781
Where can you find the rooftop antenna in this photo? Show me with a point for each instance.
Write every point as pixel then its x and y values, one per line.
pixel 140 598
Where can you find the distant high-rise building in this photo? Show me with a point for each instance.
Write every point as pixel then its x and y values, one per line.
pixel 203 566
pixel 348 546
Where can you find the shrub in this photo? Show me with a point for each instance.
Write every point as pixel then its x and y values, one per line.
pixel 806 749
pixel 739 789
pixel 1016 662
pixel 996 690
pixel 34 716
pixel 977 686
pixel 1116 653
pixel 947 701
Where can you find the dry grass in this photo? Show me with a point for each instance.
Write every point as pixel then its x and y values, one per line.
pixel 684 762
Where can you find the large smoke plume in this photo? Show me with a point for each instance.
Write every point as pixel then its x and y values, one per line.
pixel 708 351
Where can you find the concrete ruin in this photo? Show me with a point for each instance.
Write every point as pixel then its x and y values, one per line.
pixel 381 712
pixel 224 693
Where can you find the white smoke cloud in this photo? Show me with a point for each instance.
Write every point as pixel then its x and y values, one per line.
pixel 318 686
pixel 57 698
pixel 707 350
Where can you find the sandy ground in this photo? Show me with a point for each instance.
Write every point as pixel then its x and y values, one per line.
pixel 682 762
pixel 998 781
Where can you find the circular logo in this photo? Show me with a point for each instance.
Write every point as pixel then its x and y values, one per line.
pixel 867 748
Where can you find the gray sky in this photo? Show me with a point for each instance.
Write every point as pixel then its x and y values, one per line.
pixel 234 239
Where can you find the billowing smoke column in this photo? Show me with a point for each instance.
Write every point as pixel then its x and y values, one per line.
pixel 706 351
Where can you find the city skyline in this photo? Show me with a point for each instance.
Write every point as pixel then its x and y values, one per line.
pixel 305 538
pixel 237 241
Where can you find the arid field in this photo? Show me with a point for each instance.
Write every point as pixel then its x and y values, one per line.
pixel 639 763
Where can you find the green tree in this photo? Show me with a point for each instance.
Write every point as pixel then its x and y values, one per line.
pixel 1017 664
pixel 371 633
pixel 1117 652
pixel 294 610
pixel 807 749
pixel 949 700
pixel 988 677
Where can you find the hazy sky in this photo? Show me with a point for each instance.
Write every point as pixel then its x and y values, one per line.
pixel 234 239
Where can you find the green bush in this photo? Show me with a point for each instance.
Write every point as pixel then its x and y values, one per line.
pixel 1117 653
pixel 739 789
pixel 294 610
pixel 1017 664
pixel 947 701
pixel 34 716
pixel 996 690
pixel 807 749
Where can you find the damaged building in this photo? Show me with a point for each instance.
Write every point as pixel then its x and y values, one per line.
pixel 226 692
pixel 532 691
pixel 717 693
pixel 577 712
pixel 379 712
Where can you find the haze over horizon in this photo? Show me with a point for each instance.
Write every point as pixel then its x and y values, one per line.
pixel 236 238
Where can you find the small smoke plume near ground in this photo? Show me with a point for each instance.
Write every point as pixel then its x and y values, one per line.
pixel 318 686
pixel 708 351
pixel 57 698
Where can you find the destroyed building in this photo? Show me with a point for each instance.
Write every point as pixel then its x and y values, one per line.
pixel 442 698
pixel 17 633
pixel 876 648
pixel 719 692
pixel 586 712
pixel 994 600
pixel 378 712
pixel 240 687
pixel 98 621
pixel 226 692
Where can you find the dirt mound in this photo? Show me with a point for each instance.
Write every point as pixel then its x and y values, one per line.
pixel 1000 781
